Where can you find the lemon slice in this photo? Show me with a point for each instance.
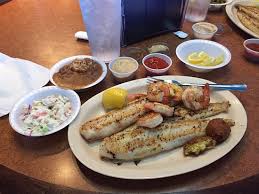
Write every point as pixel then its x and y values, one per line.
pixel 114 98
pixel 203 55
pixel 194 58
pixel 204 59
pixel 218 60
pixel 208 61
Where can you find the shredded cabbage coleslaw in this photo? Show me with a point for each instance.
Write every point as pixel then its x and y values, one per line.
pixel 45 114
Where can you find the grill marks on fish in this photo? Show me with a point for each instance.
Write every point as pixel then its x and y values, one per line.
pixel 117 120
pixel 251 11
pixel 213 109
pixel 138 142
pixel 113 121
pixel 249 17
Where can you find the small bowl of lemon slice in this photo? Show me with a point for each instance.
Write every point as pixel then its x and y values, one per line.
pixel 203 55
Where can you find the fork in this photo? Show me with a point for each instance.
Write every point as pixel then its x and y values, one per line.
pixel 234 87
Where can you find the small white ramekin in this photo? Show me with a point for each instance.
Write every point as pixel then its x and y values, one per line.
pixel 203 35
pixel 122 77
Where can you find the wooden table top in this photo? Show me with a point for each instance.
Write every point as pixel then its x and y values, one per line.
pixel 43 32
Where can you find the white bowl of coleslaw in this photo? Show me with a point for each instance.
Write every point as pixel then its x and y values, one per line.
pixel 44 111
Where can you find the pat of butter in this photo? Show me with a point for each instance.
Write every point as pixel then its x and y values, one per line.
pixel 157 48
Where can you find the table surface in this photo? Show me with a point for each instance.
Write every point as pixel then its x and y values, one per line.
pixel 43 32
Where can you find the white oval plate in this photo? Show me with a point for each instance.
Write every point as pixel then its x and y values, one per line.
pixel 14 115
pixel 231 11
pixel 165 164
pixel 68 60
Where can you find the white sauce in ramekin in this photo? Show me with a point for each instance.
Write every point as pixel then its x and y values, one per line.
pixel 124 65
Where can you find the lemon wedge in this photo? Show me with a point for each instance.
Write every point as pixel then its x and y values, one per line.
pixel 114 98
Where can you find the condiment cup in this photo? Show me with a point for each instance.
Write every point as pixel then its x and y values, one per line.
pixel 167 59
pixel 218 6
pixel 166 51
pixel 204 35
pixel 214 49
pixel 251 54
pixel 122 77
pixel 136 53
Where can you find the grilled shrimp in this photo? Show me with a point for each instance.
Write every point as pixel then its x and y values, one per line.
pixel 176 93
pixel 150 120
pixel 164 92
pixel 132 97
pixel 156 92
pixel 163 109
pixel 196 98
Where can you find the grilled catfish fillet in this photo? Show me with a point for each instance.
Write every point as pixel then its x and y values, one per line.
pixel 213 109
pixel 136 143
pixel 250 11
pixel 113 121
pixel 249 17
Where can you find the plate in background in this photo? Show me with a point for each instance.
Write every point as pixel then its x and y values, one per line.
pixel 231 11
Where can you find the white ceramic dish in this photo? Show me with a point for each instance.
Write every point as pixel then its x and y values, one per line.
pixel 201 34
pixel 231 11
pixel 165 164
pixel 212 48
pixel 123 76
pixel 69 60
pixel 18 77
pixel 17 124
pixel 218 6
pixel 167 59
